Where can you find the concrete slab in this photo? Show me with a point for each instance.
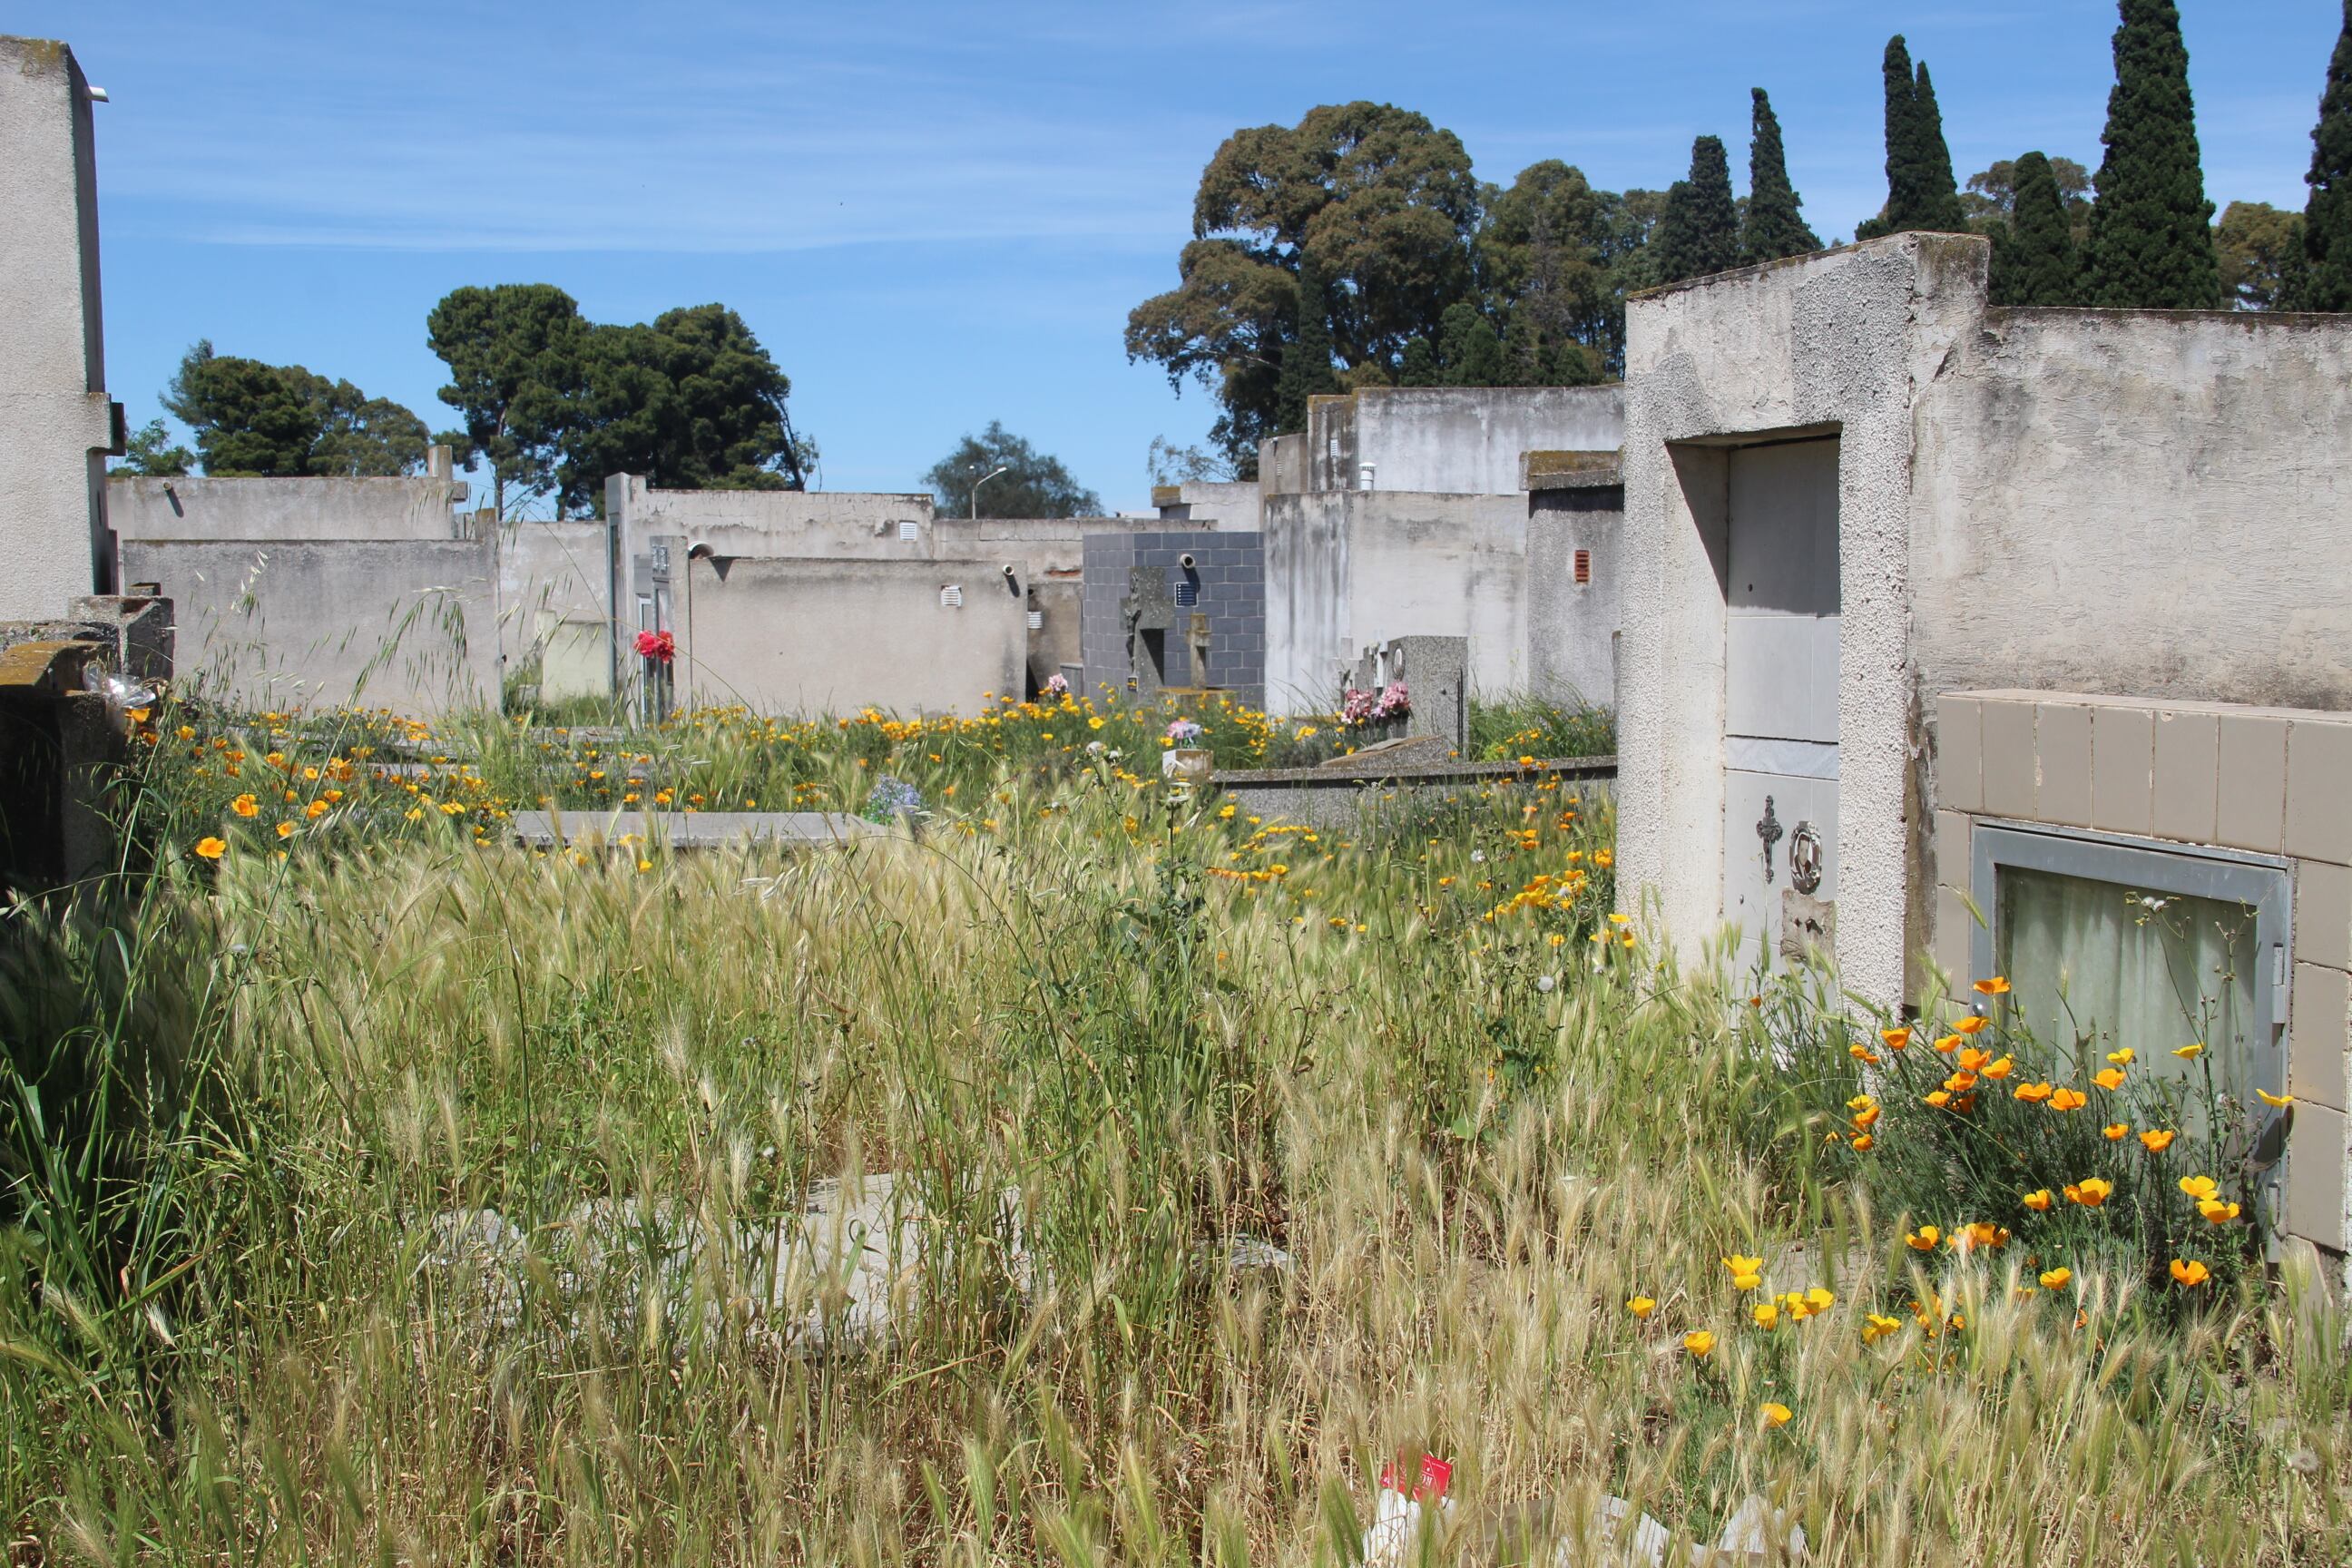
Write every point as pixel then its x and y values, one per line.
pixel 690 830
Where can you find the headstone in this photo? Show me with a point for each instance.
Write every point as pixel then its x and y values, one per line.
pixel 1436 672
pixel 1149 610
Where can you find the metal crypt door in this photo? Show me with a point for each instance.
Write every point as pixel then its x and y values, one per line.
pixel 1780 698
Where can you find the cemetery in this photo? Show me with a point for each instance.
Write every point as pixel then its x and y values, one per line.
pixel 1747 962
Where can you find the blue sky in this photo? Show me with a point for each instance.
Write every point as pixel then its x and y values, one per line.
pixel 937 214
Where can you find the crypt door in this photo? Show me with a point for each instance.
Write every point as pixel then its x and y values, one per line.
pixel 1780 696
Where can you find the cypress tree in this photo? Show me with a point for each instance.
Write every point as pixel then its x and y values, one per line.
pixel 1467 348
pixel 2151 229
pixel 1774 229
pixel 2327 280
pixel 1420 366
pixel 1920 191
pixel 1523 356
pixel 2034 263
pixel 1306 369
pixel 1937 192
pixel 1699 231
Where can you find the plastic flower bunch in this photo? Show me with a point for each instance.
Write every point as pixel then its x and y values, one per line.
pixel 1056 686
pixel 1184 732
pixel 659 647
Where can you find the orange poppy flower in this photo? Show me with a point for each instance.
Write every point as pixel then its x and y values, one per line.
pixel 2189 1273
pixel 1996 986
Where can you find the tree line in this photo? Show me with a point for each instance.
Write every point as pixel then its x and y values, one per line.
pixel 1357 247
pixel 548 401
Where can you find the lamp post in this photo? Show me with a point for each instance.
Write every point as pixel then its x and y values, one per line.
pixel 980 481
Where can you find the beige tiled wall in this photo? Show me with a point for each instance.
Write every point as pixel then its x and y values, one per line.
pixel 2274 780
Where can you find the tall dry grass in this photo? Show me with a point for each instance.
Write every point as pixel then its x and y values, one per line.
pixel 1473 1145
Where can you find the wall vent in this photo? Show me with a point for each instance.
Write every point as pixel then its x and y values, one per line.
pixel 952 596
pixel 1584 567
pixel 909 529
pixel 1037 620
pixel 1187 595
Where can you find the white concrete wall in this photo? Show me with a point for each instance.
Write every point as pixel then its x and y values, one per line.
pixel 2141 503
pixel 55 422
pixel 408 625
pixel 554 601
pixel 288 508
pixel 1346 569
pixel 830 637
pixel 1453 440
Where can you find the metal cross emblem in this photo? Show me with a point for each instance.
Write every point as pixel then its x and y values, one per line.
pixel 1769 829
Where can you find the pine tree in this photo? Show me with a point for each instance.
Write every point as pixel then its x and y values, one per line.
pixel 2034 263
pixel 1774 229
pixel 1307 359
pixel 1699 231
pixel 1920 191
pixel 1467 348
pixel 2325 283
pixel 2151 229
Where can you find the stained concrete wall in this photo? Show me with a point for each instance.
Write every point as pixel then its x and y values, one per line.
pixel 1834 342
pixel 1238 504
pixel 1452 440
pixel 56 422
pixel 831 636
pixel 2139 504
pixel 288 508
pixel 1347 569
pixel 554 605
pixel 1572 625
pixel 408 625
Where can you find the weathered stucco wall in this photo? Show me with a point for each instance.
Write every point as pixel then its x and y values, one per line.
pixel 817 636
pixel 55 422
pixel 1837 342
pixel 1345 569
pixel 408 625
pixel 554 599
pixel 1469 440
pixel 1572 625
pixel 2139 503
pixel 288 508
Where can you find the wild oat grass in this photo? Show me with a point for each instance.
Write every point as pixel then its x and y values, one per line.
pixel 1473 1143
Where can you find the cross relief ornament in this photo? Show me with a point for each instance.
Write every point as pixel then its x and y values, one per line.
pixel 1767 828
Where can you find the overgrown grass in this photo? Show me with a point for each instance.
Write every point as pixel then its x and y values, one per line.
pixel 1518 725
pixel 1478 1115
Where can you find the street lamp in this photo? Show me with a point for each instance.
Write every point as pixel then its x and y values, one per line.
pixel 980 481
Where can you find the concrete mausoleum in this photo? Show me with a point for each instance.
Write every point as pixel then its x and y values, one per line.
pixel 1931 608
pixel 1481 512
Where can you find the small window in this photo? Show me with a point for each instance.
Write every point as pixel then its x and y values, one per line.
pixel 1584 567
pixel 2108 942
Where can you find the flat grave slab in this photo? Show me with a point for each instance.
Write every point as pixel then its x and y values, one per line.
pixel 690 830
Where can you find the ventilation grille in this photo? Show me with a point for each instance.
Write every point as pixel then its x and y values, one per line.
pixel 1584 567
pixel 1037 620
pixel 1187 595
pixel 910 528
pixel 952 596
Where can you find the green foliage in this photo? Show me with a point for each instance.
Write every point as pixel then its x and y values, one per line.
pixel 2151 243
pixel 1305 371
pixel 1468 351
pixel 1699 233
pixel 251 419
pixel 514 353
pixel 1503 728
pixel 2261 252
pixel 1991 199
pixel 1774 226
pixel 2034 259
pixel 2325 283
pixel 553 402
pixel 1920 190
pixel 1385 204
pixel 151 450
pixel 1035 484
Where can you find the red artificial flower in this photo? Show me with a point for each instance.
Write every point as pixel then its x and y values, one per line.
pixel 659 647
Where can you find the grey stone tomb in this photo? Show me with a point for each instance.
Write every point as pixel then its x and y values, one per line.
pixel 1436 673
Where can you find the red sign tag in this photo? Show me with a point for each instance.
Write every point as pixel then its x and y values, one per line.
pixel 1434 1474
